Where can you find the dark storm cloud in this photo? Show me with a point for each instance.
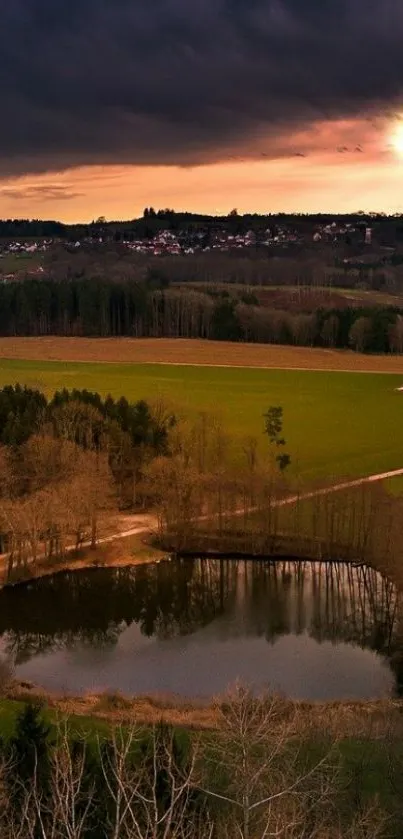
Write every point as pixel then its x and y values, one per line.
pixel 172 81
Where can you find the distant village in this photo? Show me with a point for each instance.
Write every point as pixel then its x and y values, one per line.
pixel 184 242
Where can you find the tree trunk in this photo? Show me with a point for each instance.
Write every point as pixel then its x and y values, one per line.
pixel 93 530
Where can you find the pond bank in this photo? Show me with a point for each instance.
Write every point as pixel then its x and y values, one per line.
pixel 144 549
pixel 341 718
pixel 122 553
pixel 132 551
pixel 280 547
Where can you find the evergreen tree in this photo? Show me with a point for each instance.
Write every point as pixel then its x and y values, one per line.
pixel 21 413
pixel 30 747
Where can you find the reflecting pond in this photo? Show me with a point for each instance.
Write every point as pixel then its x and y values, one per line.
pixel 191 627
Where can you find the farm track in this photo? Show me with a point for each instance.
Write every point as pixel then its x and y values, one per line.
pixel 282 502
pixel 147 525
pixel 193 352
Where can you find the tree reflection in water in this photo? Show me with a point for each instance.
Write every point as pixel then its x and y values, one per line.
pixel 330 602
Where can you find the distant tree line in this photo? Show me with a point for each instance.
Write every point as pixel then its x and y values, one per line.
pixel 100 307
pixel 30 228
pixel 153 220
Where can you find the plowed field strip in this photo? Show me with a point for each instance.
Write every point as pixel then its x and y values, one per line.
pixel 195 352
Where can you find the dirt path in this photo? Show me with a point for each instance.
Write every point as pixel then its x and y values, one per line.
pixel 194 352
pixel 141 528
pixel 316 493
pixel 147 524
pixel 370 479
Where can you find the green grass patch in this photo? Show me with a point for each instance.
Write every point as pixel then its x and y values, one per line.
pixel 335 423
pixel 86 727
pixel 9 710
pixel 394 486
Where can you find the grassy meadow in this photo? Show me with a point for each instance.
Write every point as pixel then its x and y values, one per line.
pixel 335 423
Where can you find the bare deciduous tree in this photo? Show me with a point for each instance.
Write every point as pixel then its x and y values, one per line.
pixel 258 769
pixel 154 800
pixel 264 774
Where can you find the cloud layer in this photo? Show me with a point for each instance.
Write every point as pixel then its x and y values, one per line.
pixel 175 82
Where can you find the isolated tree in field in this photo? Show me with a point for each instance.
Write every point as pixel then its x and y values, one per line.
pixel 273 426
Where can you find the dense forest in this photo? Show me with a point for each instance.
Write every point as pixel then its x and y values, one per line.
pixel 112 308
pixel 67 463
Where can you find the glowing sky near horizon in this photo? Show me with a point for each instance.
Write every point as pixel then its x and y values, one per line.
pixel 345 177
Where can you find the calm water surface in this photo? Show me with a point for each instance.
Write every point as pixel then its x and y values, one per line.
pixel 308 630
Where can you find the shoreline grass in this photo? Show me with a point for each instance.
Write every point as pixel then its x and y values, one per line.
pixel 350 718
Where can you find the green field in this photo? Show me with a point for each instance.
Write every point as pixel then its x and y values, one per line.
pixel 335 424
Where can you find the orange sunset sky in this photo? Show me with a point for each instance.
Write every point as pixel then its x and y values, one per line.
pixel 330 166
